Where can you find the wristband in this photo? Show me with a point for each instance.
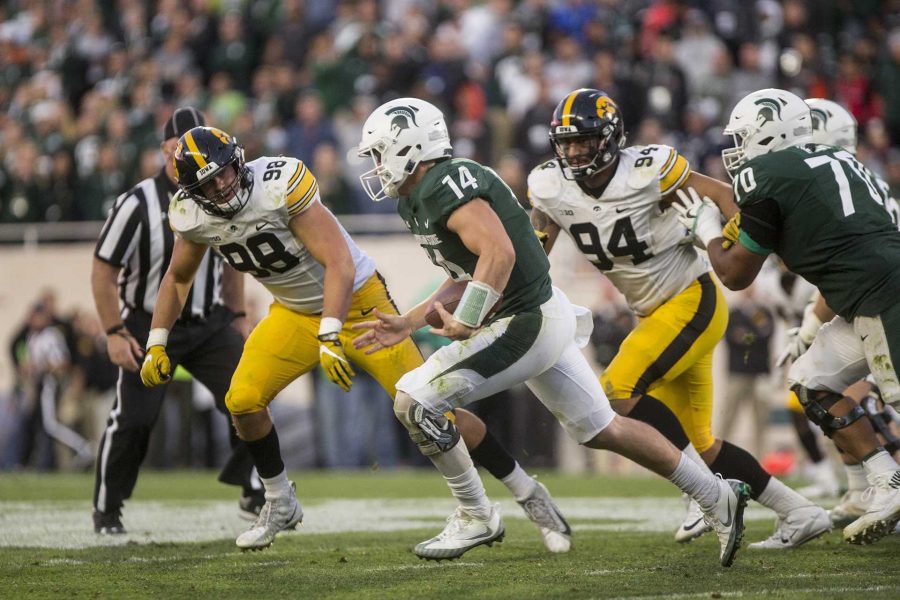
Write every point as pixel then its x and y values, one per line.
pixel 330 325
pixel 158 337
pixel 477 301
pixel 115 329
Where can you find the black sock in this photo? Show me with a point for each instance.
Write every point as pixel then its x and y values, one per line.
pixel 493 457
pixel 807 437
pixel 657 415
pixel 267 455
pixel 736 463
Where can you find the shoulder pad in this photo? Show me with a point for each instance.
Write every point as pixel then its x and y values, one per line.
pixel 184 214
pixel 545 184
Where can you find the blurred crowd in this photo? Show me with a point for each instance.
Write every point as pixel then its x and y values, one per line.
pixel 85 85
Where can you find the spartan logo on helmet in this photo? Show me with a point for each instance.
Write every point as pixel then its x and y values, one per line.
pixel 768 111
pixel 819 119
pixel 402 116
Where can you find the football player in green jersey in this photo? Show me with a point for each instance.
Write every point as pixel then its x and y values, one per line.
pixel 470 224
pixel 815 207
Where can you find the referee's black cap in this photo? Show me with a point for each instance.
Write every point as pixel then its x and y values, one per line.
pixel 183 120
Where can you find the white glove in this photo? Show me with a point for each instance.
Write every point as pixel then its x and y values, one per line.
pixel 699 215
pixel 800 338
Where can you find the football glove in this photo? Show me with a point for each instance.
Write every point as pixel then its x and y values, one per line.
pixel 699 215
pixel 542 237
pixel 800 338
pixel 157 369
pixel 732 231
pixel 334 361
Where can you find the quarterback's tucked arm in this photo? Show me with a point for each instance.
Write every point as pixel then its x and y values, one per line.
pixel 542 223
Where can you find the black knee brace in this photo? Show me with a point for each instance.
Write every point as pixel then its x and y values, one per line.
pixel 880 420
pixel 816 404
pixel 431 431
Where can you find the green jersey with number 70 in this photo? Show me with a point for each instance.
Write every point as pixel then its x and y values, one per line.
pixel 447 186
pixel 824 214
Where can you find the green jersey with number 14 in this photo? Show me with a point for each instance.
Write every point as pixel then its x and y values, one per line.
pixel 447 186
pixel 824 214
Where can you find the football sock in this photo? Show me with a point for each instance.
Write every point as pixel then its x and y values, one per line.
pixel 493 457
pixel 780 498
pixel 276 486
pixel 658 416
pixel 462 477
pixel 692 454
pixel 693 481
pixel 856 477
pixel 807 436
pixel 736 463
pixel 267 455
pixel 879 461
pixel 519 483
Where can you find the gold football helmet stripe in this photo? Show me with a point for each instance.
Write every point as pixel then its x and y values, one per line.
pixel 567 107
pixel 194 151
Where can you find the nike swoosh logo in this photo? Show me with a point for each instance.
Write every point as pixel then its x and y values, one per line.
pixel 694 524
pixel 730 518
pixel 863 338
pixel 260 226
pixel 366 311
pixel 621 209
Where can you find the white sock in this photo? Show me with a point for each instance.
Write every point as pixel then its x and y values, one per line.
pixel 519 483
pixel 468 489
pixel 692 454
pixel 881 462
pixel 462 477
pixel 276 486
pixel 780 498
pixel 856 477
pixel 693 481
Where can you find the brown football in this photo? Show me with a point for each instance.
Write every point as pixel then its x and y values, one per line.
pixel 450 297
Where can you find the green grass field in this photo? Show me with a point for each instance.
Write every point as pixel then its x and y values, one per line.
pixel 359 529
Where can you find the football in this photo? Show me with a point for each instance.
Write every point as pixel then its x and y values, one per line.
pixel 450 297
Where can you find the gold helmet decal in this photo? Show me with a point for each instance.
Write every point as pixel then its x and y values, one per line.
pixel 605 107
pixel 177 155
pixel 223 137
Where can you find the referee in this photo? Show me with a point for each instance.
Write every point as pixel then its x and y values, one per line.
pixel 130 258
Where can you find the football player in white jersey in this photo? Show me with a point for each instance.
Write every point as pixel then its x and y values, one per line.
pixel 611 199
pixel 833 125
pixel 264 217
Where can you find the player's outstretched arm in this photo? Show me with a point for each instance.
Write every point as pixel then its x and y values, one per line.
pixel 720 193
pixel 173 293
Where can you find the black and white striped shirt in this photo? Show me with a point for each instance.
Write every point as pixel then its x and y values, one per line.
pixel 137 237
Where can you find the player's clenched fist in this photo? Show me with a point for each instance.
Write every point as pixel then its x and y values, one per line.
pixel 334 361
pixel 157 368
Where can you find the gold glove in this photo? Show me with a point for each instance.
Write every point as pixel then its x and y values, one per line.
pixel 334 361
pixel 732 231
pixel 157 369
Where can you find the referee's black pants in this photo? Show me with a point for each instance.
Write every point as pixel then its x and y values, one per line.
pixel 209 349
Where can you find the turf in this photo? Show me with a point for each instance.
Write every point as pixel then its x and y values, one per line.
pixel 363 564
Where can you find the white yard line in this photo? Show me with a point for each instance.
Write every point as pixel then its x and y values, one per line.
pixel 68 524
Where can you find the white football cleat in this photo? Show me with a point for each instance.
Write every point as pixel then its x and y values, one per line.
pixel 853 505
pixel 462 533
pixel 798 527
pixel 727 517
pixel 544 513
pixel 883 513
pixel 693 525
pixel 277 514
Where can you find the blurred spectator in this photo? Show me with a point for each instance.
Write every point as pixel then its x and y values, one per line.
pixel 309 128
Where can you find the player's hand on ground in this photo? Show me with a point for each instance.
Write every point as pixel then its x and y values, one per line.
pixel 452 328
pixel 335 363
pixel 157 368
pixel 124 351
pixel 385 331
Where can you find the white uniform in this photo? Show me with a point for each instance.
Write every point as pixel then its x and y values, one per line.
pixel 258 239
pixel 645 251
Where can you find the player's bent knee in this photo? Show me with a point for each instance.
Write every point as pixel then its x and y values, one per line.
pixel 608 437
pixel 817 404
pixel 244 399
pixel 431 431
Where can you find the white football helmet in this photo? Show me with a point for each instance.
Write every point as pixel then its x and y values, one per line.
pixel 766 121
pixel 398 135
pixel 832 124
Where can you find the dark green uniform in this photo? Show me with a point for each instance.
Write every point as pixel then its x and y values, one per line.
pixel 819 210
pixel 447 186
